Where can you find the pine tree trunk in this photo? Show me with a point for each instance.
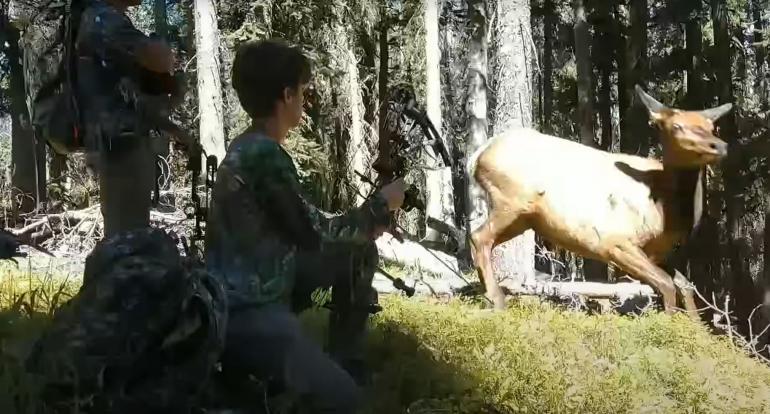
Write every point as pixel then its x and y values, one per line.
pixel 585 90
pixel 357 149
pixel 550 19
pixel 740 282
pixel 704 249
pixel 513 71
pixel 438 182
pixel 602 57
pixel 159 13
pixel 28 167
pixel 476 106
pixel 635 130
pixel 210 106
pixel 760 16
pixel 382 77
pixel 694 48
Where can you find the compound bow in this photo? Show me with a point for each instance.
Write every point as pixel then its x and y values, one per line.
pixel 400 151
pixel 401 148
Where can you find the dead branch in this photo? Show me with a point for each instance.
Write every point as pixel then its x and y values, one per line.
pixel 48 219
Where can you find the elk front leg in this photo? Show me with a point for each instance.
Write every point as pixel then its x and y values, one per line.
pixel 686 293
pixel 498 228
pixel 632 260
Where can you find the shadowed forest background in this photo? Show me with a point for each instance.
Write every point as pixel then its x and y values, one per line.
pixel 476 67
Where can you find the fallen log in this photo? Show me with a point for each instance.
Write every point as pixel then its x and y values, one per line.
pixel 593 290
pixel 412 254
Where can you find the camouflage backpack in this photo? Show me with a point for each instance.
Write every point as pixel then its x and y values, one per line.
pixel 49 29
pixel 142 335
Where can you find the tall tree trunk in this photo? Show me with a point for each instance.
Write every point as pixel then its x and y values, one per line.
pixel 513 74
pixel 159 13
pixel 476 106
pixel 585 90
pixel 210 106
pixel 704 252
pixel 694 47
pixel 747 59
pixel 382 77
pixel 357 150
pixel 620 45
pixel 28 169
pixel 635 130
pixel 438 182
pixel 592 269
pixel 602 57
pixel 763 84
pixel 740 282
pixel 550 20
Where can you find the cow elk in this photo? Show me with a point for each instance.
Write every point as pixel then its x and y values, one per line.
pixel 621 209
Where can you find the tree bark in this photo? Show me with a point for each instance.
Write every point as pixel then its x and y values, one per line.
pixel 476 107
pixel 357 151
pixel 704 251
pixel 740 282
pixel 28 169
pixel 513 61
pixel 210 106
pixel 602 57
pixel 438 179
pixel 550 20
pixel 694 48
pixel 760 17
pixel 635 130
pixel 160 14
pixel 585 90
pixel 383 78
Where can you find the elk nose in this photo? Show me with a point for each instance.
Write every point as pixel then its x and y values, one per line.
pixel 720 147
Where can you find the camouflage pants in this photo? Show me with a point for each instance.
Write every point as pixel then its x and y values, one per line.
pixel 269 342
pixel 126 179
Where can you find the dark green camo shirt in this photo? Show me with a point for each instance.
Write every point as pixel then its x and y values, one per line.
pixel 259 220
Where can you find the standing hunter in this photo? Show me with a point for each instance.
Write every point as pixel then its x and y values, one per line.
pixel 272 248
pixel 113 58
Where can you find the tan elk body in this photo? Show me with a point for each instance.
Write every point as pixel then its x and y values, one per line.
pixel 621 209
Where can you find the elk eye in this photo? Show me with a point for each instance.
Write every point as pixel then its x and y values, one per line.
pixel 678 127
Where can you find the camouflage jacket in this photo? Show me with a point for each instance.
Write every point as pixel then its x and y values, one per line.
pixel 259 221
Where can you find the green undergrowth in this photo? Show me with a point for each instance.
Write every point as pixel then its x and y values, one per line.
pixel 534 358
pixel 458 358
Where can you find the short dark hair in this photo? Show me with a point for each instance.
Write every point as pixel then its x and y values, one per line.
pixel 263 69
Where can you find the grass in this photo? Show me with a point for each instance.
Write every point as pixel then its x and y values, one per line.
pixel 457 358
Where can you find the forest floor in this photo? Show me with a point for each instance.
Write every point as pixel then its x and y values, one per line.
pixel 452 356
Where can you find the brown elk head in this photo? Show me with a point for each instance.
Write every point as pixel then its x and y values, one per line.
pixel 687 137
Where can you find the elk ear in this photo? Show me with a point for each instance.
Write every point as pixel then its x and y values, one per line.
pixel 655 108
pixel 715 113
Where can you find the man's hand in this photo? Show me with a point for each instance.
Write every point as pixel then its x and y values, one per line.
pixel 393 193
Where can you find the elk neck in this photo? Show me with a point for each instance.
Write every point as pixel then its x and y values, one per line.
pixel 681 196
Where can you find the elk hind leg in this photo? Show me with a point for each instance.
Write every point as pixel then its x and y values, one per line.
pixel 632 260
pixel 498 228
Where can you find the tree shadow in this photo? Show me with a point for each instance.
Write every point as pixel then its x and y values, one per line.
pixel 410 377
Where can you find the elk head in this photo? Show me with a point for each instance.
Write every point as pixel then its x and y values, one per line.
pixel 687 137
